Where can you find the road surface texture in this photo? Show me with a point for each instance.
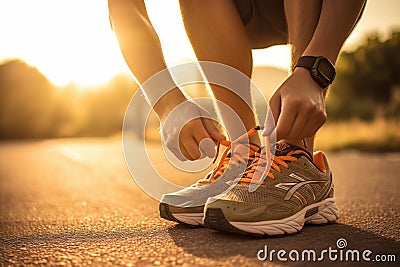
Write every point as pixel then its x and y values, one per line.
pixel 73 202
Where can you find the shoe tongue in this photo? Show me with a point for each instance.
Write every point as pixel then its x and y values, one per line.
pixel 282 149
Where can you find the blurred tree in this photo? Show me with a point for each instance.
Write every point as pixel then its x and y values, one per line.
pixel 104 108
pixel 26 98
pixel 31 107
pixel 366 79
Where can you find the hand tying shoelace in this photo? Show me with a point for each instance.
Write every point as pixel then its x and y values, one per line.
pixel 255 171
pixel 226 162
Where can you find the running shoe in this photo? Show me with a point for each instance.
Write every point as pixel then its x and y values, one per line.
pixel 187 205
pixel 297 188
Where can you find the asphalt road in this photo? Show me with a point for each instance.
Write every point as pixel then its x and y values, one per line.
pixel 73 202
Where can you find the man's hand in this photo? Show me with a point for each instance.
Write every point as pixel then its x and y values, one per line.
pixel 189 132
pixel 298 107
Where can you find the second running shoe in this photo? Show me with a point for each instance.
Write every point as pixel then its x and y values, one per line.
pixel 297 189
pixel 187 205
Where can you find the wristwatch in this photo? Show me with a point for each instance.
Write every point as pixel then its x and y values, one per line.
pixel 321 69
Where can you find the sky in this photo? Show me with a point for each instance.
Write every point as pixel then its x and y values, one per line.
pixel 70 41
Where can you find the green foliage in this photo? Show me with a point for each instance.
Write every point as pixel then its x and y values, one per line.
pixel 367 80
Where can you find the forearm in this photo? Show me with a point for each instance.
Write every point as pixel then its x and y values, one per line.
pixel 145 60
pixel 337 19
pixel 141 49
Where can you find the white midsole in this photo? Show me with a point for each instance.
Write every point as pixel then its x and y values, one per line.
pixel 327 212
pixel 190 218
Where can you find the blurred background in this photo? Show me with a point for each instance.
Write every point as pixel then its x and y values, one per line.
pixel 62 74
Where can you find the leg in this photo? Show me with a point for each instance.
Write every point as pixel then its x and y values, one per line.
pixel 218 35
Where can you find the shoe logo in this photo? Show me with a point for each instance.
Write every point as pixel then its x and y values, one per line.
pixel 231 182
pixel 293 187
pixel 281 146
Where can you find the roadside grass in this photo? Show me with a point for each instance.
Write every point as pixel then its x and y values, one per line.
pixel 377 136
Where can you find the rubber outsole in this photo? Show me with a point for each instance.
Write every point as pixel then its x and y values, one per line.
pixel 165 213
pixel 216 220
pixel 192 219
pixel 319 213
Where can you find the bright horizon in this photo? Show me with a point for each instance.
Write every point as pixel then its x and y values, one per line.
pixel 70 41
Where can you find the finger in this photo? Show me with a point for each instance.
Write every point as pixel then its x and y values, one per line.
pixel 299 123
pixel 173 146
pixel 213 130
pixel 191 147
pixel 314 119
pixel 309 130
pixel 206 144
pixel 178 154
pixel 207 147
pixel 285 122
pixel 275 106
pixel 273 112
pixel 183 147
pixel 312 126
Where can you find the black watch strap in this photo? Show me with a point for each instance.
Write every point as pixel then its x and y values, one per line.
pixel 321 69
pixel 306 62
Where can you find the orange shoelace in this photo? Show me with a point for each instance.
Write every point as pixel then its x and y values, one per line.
pixel 226 162
pixel 256 169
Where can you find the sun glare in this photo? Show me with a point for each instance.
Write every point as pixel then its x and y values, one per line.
pixel 166 19
pixel 71 40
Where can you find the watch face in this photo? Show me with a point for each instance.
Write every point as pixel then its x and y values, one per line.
pixel 325 68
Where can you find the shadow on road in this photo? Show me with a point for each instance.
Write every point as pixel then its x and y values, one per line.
pixel 218 245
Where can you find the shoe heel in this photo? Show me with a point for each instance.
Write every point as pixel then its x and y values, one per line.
pixel 328 212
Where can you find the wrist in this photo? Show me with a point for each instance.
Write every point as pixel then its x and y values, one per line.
pixel 168 102
pixel 320 68
pixel 330 54
pixel 304 77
